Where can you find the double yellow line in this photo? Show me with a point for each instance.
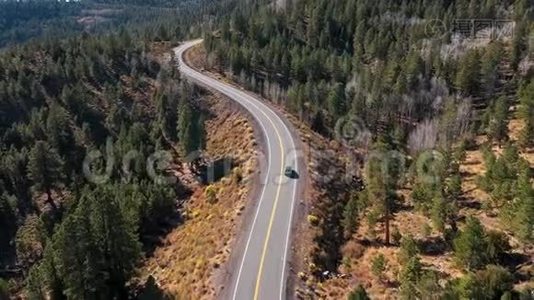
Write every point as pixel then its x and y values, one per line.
pixel 275 205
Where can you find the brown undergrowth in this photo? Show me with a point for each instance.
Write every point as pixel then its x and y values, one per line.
pixel 318 224
pixel 185 264
pixel 358 254
pixel 318 234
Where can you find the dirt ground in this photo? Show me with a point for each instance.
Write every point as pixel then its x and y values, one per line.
pixel 357 266
pixel 187 263
pixel 357 254
pixel 321 156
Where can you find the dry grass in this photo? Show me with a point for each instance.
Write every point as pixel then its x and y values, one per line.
pixel 196 57
pixel 514 128
pixel 357 263
pixel 190 255
pixel 356 266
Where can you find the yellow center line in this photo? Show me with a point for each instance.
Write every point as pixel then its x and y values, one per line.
pixel 275 205
pixel 266 243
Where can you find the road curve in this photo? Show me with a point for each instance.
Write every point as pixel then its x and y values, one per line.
pixel 261 272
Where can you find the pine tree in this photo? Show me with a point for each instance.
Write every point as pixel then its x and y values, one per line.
pixel 79 259
pixel 185 122
pixel 468 75
pixel 379 265
pixel 59 134
pixel 383 173
pixel 489 68
pixel 45 169
pixel 336 101
pixel 116 238
pixel 497 128
pixel 474 248
pixel 34 284
pixel 410 276
pixel 408 248
pixel 526 113
pixel 522 216
pixel 439 213
pixel 351 216
pixel 358 293
pixel 414 70
pixel 469 246
pixel 50 274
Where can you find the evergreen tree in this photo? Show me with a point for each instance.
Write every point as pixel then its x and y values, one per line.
pixel 497 128
pixel 470 246
pixel 336 102
pixel 522 211
pixel 49 273
pixel 96 239
pixel 34 284
pixel 116 238
pixel 526 113
pixel 77 256
pixel 191 129
pixel 4 289
pixel 358 293
pixel 58 129
pixel 409 277
pixel 45 169
pixel 379 265
pixel 468 75
pixel 408 248
pixel 474 248
pixel 184 129
pixel 351 216
pixel 383 173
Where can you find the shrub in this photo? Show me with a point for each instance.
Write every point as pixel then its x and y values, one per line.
pixel 498 244
pixel 358 293
pixel 429 285
pixel 410 276
pixel 474 248
pixel 408 248
pixel 238 175
pixel 211 194
pixel 427 230
pixel 494 282
pixel 378 265
pixel 396 236
pixel 4 289
pixel 313 220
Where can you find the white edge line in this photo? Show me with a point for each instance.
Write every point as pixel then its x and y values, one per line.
pixel 290 221
pixel 263 110
pixel 183 65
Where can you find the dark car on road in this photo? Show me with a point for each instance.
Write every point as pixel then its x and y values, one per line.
pixel 291 173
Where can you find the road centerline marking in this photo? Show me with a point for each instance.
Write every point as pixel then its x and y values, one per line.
pixel 263 110
pixel 273 212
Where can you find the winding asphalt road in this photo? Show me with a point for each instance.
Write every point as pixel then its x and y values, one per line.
pixel 262 270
